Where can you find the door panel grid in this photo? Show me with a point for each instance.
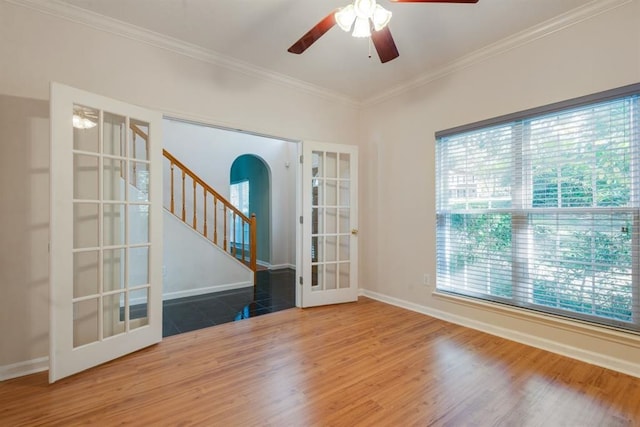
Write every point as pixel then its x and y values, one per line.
pixel 106 311
pixel 106 231
pixel 329 188
pixel 330 184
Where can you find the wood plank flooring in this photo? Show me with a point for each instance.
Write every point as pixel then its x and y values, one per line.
pixel 365 363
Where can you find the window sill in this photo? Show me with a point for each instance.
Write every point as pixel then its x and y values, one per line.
pixel 618 336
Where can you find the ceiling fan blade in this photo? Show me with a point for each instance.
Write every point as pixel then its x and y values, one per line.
pixel 385 46
pixel 434 1
pixel 314 34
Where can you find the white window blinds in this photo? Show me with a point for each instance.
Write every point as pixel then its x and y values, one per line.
pixel 540 209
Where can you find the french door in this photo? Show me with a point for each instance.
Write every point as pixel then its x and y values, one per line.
pixel 106 230
pixel 329 224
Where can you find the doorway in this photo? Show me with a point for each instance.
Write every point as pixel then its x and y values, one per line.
pixel 250 191
pixel 255 173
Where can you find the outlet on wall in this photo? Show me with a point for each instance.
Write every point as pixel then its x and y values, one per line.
pixel 426 280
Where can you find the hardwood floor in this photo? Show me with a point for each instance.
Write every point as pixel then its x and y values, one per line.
pixel 365 363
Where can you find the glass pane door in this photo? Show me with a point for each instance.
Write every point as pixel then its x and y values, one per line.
pixel 330 235
pixel 106 235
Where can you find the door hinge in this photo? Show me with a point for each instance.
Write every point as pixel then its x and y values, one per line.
pixel 301 219
pixel 301 159
pixel 300 280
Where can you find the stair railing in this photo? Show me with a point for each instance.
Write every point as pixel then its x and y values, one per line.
pixel 210 214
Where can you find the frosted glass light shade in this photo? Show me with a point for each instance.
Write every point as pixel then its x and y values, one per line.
pixel 345 17
pixel 363 13
pixel 381 17
pixel 81 122
pixel 362 27
pixel 364 8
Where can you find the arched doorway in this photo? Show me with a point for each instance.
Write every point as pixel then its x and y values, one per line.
pixel 250 191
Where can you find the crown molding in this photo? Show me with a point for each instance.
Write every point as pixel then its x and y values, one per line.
pixel 558 23
pixel 100 22
pixel 103 23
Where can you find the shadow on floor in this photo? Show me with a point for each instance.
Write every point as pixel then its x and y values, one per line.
pixel 274 291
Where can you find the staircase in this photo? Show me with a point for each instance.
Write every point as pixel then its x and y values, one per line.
pixel 207 212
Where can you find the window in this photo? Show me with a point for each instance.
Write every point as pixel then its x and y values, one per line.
pixel 239 195
pixel 541 209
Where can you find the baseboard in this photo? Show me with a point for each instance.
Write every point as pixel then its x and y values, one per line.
pixel 280 266
pixel 40 364
pixel 201 291
pixel 27 367
pixel 510 334
pixel 270 266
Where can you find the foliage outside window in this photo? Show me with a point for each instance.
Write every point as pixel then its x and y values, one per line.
pixel 239 195
pixel 540 209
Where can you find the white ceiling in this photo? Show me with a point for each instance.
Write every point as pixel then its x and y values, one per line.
pixel 259 32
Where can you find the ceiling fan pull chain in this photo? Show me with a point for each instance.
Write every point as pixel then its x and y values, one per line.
pixel 363 16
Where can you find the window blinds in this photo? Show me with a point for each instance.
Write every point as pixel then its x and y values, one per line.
pixel 540 209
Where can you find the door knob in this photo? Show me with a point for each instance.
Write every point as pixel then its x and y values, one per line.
pixel 354 231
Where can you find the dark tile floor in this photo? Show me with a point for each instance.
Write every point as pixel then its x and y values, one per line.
pixel 274 291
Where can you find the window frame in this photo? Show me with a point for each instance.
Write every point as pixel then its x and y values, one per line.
pixel 520 213
pixel 242 189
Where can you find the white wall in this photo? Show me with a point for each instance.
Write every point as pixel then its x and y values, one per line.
pixel 395 137
pixel 210 152
pixel 397 171
pixel 193 266
pixel 38 48
pixel 24 229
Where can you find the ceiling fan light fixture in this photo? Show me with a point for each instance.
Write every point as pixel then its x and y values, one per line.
pixel 362 12
pixel 364 8
pixel 381 17
pixel 367 19
pixel 362 28
pixel 84 117
pixel 82 122
pixel 345 17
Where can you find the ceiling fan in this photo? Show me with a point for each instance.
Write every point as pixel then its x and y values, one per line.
pixel 368 19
